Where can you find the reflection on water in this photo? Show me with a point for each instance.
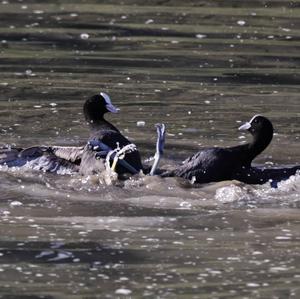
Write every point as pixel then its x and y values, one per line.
pixel 201 68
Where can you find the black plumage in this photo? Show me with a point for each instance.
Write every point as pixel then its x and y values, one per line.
pixel 234 163
pixel 85 159
pixel 104 132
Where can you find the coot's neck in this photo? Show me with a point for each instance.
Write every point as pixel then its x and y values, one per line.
pixel 100 124
pixel 259 144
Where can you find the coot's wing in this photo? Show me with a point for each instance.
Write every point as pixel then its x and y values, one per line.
pixel 18 157
pixel 69 153
pixel 208 165
pixel 33 152
pixel 36 158
pixel 201 167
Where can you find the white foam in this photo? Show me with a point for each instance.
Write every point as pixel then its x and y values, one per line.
pixel 231 193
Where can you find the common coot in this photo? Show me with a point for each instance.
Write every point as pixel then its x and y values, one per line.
pixel 219 164
pixel 104 139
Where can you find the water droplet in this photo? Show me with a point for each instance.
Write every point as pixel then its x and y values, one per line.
pixel 149 21
pixel 123 292
pixel 84 36
pixel 241 22
pixel 201 36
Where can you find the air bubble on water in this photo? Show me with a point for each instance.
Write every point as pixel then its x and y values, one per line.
pixel 178 243
pixel 185 205
pixel 84 36
pixel 282 238
pixel 149 21
pixel 15 203
pixel 278 269
pixel 252 285
pixel 38 12
pixel 241 22
pixel 123 291
pixel 82 233
pixel 200 36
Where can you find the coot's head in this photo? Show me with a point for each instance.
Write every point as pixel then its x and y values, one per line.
pixel 96 106
pixel 259 126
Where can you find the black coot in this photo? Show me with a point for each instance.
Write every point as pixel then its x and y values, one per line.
pixel 86 160
pixel 108 135
pixel 262 131
pixel 219 164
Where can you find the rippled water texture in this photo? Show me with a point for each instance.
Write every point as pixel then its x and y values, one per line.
pixel 202 67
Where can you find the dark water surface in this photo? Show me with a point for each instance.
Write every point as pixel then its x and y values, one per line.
pixel 202 67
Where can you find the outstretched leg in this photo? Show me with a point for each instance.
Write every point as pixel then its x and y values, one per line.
pixel 160 143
